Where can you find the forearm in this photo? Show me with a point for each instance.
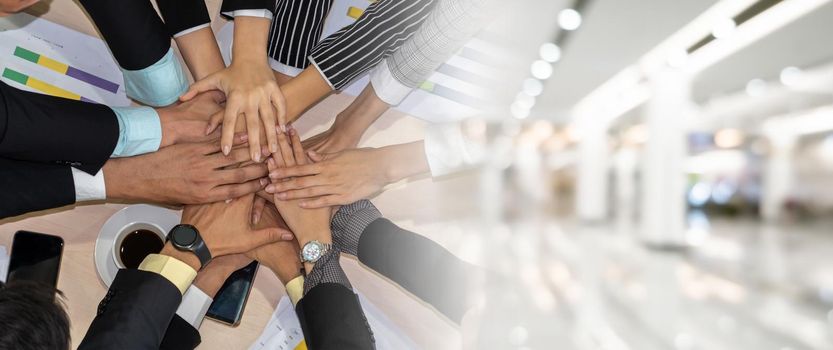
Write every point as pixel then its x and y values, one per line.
pixel 404 160
pixel 363 112
pixel 200 51
pixel 303 91
pixel 250 39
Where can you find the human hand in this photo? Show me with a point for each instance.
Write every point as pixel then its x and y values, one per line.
pixel 185 122
pixel 190 173
pixel 212 277
pixel 330 141
pixel 334 179
pixel 307 224
pixel 281 257
pixel 250 88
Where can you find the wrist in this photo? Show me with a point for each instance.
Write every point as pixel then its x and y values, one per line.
pixel 403 161
pixel 210 283
pixel 167 120
pixel 115 178
pixel 186 257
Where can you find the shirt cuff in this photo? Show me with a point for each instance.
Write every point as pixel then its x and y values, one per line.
pixel 327 270
pixel 175 271
pixel 159 85
pixel 295 289
pixel 88 187
pixel 191 30
pixel 387 88
pixel 194 306
pixel 264 13
pixel 283 68
pixel 448 151
pixel 140 131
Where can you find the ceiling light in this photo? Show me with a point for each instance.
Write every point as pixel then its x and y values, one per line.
pixel 723 28
pixel 525 100
pixel 518 111
pixel 541 69
pixel 569 19
pixel 550 52
pixel 756 88
pixel 790 76
pixel 532 87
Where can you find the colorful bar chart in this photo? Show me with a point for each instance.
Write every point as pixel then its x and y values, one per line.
pixel 42 86
pixel 66 69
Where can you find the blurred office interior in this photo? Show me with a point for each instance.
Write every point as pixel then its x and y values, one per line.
pixel 663 180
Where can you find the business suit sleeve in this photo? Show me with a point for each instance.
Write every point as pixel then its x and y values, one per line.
pixel 180 335
pixel 182 15
pixel 29 186
pixel 135 314
pixel 332 318
pixel 47 129
pixel 419 265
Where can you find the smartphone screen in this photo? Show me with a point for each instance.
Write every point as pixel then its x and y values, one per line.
pixel 35 257
pixel 231 299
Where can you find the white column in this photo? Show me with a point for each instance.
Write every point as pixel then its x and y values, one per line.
pixel 663 203
pixel 777 176
pixel 592 174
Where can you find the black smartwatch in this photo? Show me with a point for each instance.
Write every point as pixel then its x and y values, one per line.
pixel 187 238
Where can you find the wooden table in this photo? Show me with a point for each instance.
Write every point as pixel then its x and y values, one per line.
pixel 415 205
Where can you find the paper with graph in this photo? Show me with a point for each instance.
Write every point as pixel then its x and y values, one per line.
pixel 283 332
pixel 44 57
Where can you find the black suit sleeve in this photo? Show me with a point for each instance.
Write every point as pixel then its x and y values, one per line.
pixel 419 265
pixel 180 335
pixel 132 29
pixel 180 15
pixel 135 313
pixel 28 186
pixel 47 129
pixel 234 5
pixel 332 318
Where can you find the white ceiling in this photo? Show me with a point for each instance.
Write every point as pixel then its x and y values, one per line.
pixel 614 34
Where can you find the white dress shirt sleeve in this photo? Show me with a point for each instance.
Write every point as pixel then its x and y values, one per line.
pixel 191 30
pixel 194 305
pixel 88 187
pixel 448 150
pixel 264 13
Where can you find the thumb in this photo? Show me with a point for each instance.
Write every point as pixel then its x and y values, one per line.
pixel 209 83
pixel 264 236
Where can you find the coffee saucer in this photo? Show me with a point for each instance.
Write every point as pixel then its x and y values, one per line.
pixel 164 219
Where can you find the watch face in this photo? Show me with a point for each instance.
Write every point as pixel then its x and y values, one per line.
pixel 184 236
pixel 312 251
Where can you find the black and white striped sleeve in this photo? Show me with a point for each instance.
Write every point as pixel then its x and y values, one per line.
pixel 380 31
pixel 296 29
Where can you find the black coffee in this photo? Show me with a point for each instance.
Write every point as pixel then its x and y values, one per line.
pixel 137 245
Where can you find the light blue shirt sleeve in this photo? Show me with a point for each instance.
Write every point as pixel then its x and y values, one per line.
pixel 140 131
pixel 159 85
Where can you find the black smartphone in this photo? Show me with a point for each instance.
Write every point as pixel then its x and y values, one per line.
pixel 35 257
pixel 230 300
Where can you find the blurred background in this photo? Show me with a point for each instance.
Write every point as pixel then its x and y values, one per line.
pixel 663 180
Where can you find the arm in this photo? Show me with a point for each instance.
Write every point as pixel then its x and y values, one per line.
pixel 189 23
pixel 140 304
pixel 141 45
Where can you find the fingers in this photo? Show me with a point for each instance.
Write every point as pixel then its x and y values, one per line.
pixel 264 236
pixel 244 174
pixel 253 129
pixel 237 155
pixel 237 190
pixel 296 183
pixel 257 209
pixel 325 201
pixel 301 170
pixel 286 150
pixel 266 196
pixel 208 83
pixel 229 120
pixel 267 113
pixel 279 102
pixel 297 149
pixel 307 193
pixel 214 121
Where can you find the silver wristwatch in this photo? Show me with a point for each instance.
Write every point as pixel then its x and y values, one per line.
pixel 314 250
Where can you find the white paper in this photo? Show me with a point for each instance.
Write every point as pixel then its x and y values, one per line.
pixel 283 332
pixel 64 45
